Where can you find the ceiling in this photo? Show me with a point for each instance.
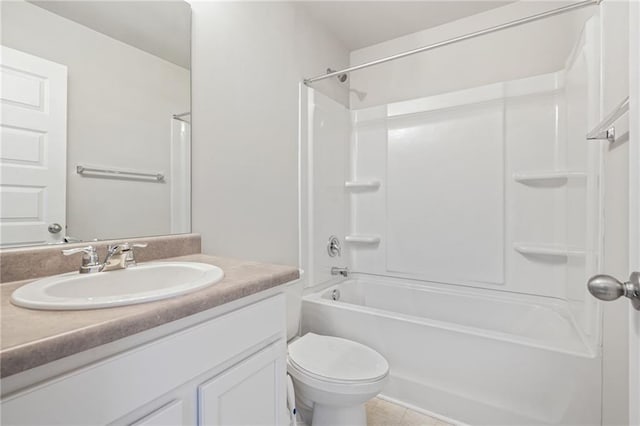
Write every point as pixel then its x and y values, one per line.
pixel 358 24
pixel 162 28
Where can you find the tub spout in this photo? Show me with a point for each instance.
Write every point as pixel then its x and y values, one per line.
pixel 340 271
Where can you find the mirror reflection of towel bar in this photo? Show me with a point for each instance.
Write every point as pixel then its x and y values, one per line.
pixel 606 130
pixel 118 173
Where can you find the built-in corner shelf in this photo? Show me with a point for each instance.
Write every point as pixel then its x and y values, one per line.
pixel 362 239
pixel 547 249
pixel 552 177
pixel 368 185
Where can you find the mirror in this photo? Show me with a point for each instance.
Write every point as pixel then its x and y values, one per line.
pixel 96 103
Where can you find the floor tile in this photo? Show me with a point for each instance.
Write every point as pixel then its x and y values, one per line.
pixel 369 405
pixel 413 418
pixel 385 413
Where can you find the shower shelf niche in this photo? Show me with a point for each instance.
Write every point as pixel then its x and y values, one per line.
pixel 362 239
pixel 555 177
pixel 355 185
pixel 548 249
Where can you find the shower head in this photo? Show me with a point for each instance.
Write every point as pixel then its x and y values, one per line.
pixel 361 95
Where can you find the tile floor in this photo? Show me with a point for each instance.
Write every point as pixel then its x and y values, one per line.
pixel 384 413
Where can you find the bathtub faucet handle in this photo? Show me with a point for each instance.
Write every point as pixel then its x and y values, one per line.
pixel 333 247
pixel 340 271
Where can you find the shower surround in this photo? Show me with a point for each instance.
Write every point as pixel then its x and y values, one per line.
pixel 471 222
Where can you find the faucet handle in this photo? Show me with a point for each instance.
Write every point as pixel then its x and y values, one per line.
pixel 90 261
pixel 131 258
pixel 124 246
pixel 88 250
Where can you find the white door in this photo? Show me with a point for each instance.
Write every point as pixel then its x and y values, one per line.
pixel 33 149
pixel 634 216
pixel 634 206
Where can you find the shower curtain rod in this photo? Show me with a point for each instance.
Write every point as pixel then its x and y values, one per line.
pixel 490 30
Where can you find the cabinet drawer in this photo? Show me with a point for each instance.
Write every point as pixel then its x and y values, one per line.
pixel 109 389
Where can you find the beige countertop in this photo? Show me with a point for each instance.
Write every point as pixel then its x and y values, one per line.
pixel 30 338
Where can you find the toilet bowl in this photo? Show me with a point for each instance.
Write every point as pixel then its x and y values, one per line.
pixel 334 377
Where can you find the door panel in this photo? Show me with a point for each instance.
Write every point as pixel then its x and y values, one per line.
pixel 247 394
pixel 33 134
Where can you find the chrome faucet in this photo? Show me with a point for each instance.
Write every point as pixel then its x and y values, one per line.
pixel 340 271
pixel 119 256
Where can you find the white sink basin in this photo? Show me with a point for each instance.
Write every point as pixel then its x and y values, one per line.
pixel 138 284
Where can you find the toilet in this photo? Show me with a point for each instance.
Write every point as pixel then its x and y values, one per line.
pixel 333 378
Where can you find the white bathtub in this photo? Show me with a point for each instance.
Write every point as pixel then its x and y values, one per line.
pixel 473 356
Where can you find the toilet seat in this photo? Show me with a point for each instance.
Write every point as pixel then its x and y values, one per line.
pixel 336 360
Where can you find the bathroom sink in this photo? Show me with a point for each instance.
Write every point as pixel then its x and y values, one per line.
pixel 138 284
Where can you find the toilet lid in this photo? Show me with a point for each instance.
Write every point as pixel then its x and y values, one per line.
pixel 337 359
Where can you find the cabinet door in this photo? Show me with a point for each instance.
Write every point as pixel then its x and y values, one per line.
pixel 168 415
pixel 250 393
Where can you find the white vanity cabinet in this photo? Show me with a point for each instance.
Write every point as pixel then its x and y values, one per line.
pixel 226 370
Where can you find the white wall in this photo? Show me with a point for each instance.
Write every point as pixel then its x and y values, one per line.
pixel 532 49
pixel 120 102
pixel 248 61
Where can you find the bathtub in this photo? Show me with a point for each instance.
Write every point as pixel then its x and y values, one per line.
pixel 473 356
